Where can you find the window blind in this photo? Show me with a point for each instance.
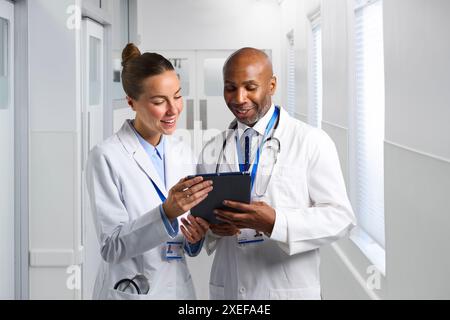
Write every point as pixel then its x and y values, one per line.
pixel 316 91
pixel 368 135
pixel 291 74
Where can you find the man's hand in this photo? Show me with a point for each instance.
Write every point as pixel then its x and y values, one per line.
pixel 257 215
pixel 224 229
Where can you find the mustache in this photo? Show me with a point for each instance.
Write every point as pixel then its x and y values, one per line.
pixel 240 107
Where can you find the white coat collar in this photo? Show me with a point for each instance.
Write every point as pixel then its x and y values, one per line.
pixel 132 145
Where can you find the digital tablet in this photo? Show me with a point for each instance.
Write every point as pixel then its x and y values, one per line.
pixel 234 186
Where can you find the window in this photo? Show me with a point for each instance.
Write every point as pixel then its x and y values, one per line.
pixel 290 74
pixel 94 71
pixel 367 129
pixel 315 73
pixel 212 69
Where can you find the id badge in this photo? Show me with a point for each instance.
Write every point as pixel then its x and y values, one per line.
pixel 248 236
pixel 174 250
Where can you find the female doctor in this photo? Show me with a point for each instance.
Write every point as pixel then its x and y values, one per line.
pixel 136 195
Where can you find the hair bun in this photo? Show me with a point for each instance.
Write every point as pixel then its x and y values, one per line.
pixel 130 52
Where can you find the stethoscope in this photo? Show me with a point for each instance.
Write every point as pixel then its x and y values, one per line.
pixel 270 138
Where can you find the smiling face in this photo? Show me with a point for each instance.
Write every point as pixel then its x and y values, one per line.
pixel 249 85
pixel 158 107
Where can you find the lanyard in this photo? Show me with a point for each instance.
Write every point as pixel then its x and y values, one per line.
pixel 269 127
pixel 158 191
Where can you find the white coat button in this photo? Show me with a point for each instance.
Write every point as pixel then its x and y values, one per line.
pixel 242 290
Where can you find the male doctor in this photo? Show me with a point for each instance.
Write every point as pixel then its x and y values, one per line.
pixel 270 249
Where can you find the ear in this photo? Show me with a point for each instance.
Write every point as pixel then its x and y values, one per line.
pixel 130 103
pixel 273 85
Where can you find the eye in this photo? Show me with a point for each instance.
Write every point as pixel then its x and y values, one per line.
pixel 158 102
pixel 178 97
pixel 229 88
pixel 251 87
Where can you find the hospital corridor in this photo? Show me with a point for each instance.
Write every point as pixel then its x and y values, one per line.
pixel 353 187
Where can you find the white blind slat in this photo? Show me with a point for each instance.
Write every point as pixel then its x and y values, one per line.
pixel 369 118
pixel 315 105
pixel 291 75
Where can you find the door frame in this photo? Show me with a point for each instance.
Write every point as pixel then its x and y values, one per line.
pixel 90 28
pixel 21 146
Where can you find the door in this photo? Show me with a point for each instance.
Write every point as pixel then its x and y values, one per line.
pixel 92 134
pixel 7 141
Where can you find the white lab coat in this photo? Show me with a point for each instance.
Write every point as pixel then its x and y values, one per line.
pixel 308 193
pixel 127 217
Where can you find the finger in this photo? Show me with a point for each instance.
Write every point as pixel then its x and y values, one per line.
pixel 187 203
pixel 196 191
pixel 187 183
pixel 187 235
pixel 203 223
pixel 191 228
pixel 233 216
pixel 195 200
pixel 194 223
pixel 236 219
pixel 200 228
pixel 224 219
pixel 200 186
pixel 243 207
pixel 193 197
pixel 190 236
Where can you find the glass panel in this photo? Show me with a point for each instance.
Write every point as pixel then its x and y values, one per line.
pixel 213 77
pixel 181 66
pixel 4 87
pixel 94 71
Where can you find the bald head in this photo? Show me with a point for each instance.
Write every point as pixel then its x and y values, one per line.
pixel 249 84
pixel 249 56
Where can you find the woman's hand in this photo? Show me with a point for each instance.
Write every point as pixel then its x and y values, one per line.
pixel 194 228
pixel 185 195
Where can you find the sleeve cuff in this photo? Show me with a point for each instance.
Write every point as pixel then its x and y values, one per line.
pixel 171 228
pixel 193 249
pixel 279 232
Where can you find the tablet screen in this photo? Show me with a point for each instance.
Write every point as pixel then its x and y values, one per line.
pixel 234 186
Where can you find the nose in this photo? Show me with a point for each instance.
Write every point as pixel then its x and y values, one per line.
pixel 173 107
pixel 240 96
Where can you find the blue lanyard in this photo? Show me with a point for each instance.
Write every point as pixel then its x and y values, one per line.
pixel 158 191
pixel 269 127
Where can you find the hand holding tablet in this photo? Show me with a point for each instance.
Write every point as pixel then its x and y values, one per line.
pixel 234 186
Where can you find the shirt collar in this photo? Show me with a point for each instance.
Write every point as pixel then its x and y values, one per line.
pixel 149 148
pixel 260 126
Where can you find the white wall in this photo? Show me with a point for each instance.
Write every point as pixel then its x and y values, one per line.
pixel 417 149
pixel 417 50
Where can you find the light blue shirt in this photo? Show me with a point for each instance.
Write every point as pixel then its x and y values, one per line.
pixel 156 155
